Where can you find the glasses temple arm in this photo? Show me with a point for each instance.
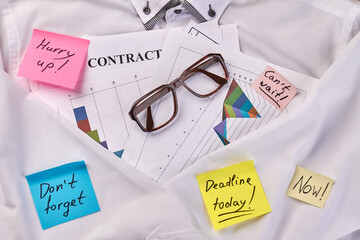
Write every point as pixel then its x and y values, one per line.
pixel 216 78
pixel 202 66
pixel 149 118
pixel 152 99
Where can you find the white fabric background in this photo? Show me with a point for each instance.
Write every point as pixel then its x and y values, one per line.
pixel 322 136
pixel 307 36
pixel 33 139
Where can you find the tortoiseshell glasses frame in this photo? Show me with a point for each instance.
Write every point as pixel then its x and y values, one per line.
pixel 147 100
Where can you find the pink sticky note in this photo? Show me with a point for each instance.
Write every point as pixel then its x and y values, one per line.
pixel 274 88
pixel 54 58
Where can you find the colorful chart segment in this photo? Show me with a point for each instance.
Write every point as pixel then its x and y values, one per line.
pixel 221 131
pixel 119 153
pixel 236 105
pixel 83 124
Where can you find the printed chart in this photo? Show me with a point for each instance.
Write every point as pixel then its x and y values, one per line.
pixel 191 135
pixel 101 108
pixel 197 33
pixel 83 124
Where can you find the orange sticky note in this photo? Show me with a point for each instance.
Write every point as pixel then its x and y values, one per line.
pixel 310 187
pixel 233 194
pixel 54 58
pixel 274 88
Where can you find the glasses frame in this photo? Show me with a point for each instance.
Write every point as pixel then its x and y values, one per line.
pixel 154 95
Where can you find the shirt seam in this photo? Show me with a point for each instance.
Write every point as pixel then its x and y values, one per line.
pixel 12 36
pixel 348 18
pixel 347 27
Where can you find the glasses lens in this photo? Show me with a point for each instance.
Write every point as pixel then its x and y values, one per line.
pixel 204 78
pixel 156 110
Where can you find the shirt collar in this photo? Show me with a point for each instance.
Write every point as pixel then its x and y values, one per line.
pixel 151 12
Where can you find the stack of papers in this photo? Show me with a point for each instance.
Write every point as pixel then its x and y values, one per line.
pixel 121 68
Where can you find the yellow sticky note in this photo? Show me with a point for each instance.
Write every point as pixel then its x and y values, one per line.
pixel 233 194
pixel 310 187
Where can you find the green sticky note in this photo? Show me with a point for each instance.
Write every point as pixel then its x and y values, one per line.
pixel 62 194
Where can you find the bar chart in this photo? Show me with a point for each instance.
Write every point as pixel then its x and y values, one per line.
pixel 83 124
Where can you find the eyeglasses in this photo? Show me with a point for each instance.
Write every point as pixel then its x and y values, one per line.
pixel 203 79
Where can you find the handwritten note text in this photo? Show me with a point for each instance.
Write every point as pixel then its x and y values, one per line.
pixel 310 187
pixel 62 194
pixel 54 58
pixel 233 194
pixel 274 88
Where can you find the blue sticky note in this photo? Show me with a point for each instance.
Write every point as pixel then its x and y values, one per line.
pixel 62 194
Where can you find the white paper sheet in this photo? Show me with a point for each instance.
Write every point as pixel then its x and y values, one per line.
pixel 191 135
pixel 108 93
pixel 225 35
pixel 107 103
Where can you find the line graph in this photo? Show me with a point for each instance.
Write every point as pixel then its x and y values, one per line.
pixel 173 149
pixel 100 109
